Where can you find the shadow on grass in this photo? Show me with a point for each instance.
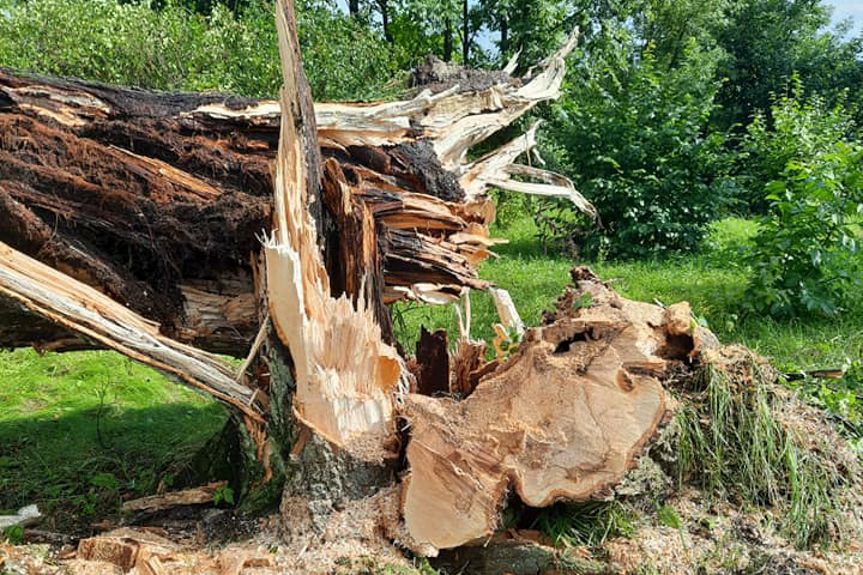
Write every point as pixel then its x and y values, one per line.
pixel 80 465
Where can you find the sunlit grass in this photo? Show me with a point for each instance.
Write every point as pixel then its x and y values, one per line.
pixel 80 430
pixel 713 282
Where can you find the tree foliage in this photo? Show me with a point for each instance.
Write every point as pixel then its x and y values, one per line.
pixel 632 132
pixel 174 48
pixel 806 253
pixel 793 129
pixel 767 41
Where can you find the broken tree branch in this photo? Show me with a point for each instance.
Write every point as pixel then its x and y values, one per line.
pixel 193 496
pixel 89 313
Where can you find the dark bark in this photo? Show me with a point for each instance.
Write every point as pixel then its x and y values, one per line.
pixel 433 363
pixel 385 19
pixel 447 40
pixel 504 36
pixel 354 7
pixel 161 207
pixel 465 42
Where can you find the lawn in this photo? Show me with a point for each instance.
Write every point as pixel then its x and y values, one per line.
pixel 712 282
pixel 78 431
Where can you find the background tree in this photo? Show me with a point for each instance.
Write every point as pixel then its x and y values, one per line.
pixel 767 41
pixel 632 130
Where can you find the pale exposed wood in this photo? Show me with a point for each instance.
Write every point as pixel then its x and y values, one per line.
pixel 454 119
pixel 346 376
pixel 497 168
pixel 563 418
pixel 26 516
pixel 193 496
pixel 507 311
pixel 83 310
pixel 469 366
pixel 127 548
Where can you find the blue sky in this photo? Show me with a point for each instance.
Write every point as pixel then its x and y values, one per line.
pixel 848 8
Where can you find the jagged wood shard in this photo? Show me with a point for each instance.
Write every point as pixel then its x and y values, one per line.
pixel 346 376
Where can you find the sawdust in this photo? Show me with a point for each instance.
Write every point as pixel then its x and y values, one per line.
pixel 361 534
pixel 721 538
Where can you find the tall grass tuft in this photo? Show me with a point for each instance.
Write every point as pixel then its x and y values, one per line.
pixel 590 523
pixel 732 443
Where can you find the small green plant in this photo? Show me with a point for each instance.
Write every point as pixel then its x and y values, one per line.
pixel 224 495
pixel 14 535
pixel 842 398
pixel 797 129
pixel 584 301
pixel 107 481
pixel 668 517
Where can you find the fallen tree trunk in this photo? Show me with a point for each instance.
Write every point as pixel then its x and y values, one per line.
pixel 158 200
pixel 145 222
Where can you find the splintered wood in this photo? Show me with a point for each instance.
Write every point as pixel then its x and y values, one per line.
pixel 77 307
pixel 156 200
pixel 564 418
pixel 346 376
pixel 192 496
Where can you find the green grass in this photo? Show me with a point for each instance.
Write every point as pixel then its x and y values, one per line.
pixel 590 523
pixel 78 431
pixel 712 282
pixel 732 443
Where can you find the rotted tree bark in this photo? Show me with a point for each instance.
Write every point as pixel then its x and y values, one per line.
pixel 153 224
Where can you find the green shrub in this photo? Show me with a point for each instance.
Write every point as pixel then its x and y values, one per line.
pixel 795 130
pixel 632 136
pixel 805 256
pixel 172 48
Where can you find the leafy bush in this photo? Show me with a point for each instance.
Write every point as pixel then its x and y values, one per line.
pixel 804 257
pixel 632 137
pixel 172 48
pixel 797 129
